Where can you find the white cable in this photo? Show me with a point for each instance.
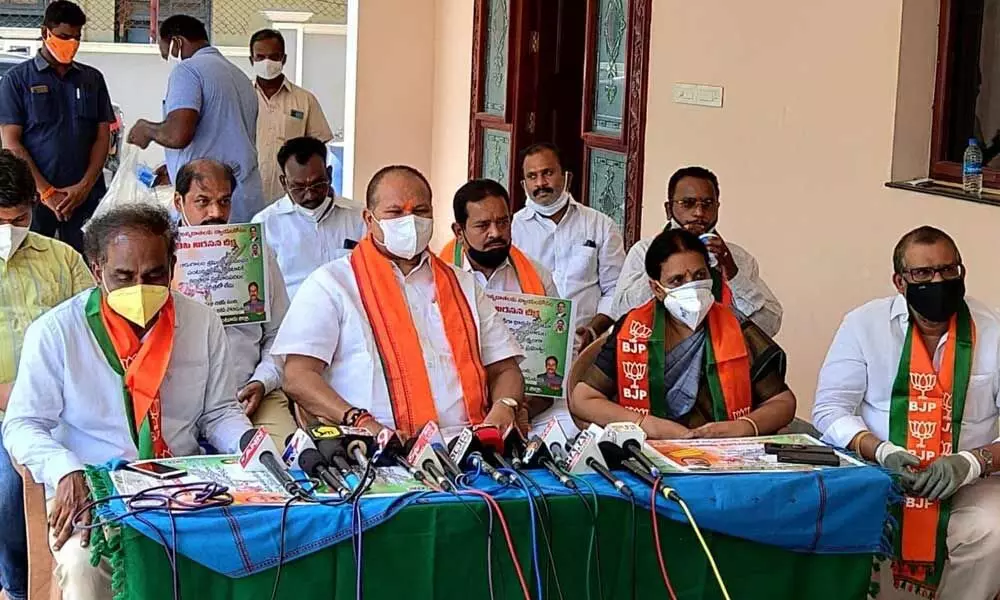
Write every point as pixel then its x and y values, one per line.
pixel 704 546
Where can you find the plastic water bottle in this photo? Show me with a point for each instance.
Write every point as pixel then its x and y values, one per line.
pixel 972 169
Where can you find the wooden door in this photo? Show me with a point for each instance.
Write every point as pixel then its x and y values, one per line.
pixel 571 72
pixel 614 109
pixel 497 125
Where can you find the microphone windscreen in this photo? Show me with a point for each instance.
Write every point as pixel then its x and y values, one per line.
pixel 310 461
pixel 246 437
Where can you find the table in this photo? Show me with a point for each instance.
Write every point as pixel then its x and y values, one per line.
pixel 438 551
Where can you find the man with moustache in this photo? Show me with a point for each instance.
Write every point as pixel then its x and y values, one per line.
pixel 693 204
pixel 580 245
pixel 392 336
pixel 204 196
pixel 482 244
pixel 912 382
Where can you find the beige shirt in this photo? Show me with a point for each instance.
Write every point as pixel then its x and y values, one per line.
pixel 290 113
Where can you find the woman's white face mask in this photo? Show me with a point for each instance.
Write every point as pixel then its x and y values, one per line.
pixel 690 302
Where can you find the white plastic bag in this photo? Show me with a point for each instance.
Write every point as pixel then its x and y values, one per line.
pixel 127 187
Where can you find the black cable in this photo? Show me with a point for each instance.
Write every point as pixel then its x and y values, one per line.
pixel 206 495
pixel 281 545
pixel 545 535
pixel 597 545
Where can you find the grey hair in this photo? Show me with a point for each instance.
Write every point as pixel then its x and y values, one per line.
pixel 101 229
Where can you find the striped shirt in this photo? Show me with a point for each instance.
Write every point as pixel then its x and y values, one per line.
pixel 41 274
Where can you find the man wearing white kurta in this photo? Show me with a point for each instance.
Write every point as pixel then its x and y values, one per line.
pixel 858 400
pixel 693 204
pixel 482 247
pixel 342 344
pixel 203 196
pixel 67 408
pixel 580 245
pixel 309 226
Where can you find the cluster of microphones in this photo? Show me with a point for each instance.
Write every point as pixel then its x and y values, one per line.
pixel 337 455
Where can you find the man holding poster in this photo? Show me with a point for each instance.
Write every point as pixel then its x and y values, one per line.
pixel 483 247
pixel 214 265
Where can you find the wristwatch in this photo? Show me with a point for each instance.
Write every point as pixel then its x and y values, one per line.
pixel 985 456
pixel 509 402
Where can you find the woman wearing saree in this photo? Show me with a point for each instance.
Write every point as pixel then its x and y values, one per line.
pixel 683 365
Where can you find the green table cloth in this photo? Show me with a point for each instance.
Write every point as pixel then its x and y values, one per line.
pixel 439 551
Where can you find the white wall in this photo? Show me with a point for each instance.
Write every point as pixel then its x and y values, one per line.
pixel 137 77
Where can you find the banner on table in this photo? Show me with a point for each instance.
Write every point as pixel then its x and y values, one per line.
pixel 544 328
pixel 224 267
pixel 731 455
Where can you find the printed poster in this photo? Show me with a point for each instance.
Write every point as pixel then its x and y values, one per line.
pixel 224 267
pixel 544 328
pixel 731 455
pixel 251 487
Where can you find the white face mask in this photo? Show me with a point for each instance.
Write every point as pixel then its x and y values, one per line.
pixel 553 207
pixel 690 302
pixel 406 236
pixel 11 238
pixel 268 69
pixel 315 213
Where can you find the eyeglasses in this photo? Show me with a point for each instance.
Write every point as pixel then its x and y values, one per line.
pixel 690 203
pixel 926 274
pixel 320 187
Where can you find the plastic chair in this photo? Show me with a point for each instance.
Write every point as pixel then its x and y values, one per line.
pixel 42 584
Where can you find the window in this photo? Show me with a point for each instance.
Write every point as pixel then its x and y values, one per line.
pixel 967 92
pixel 133 17
pixel 22 13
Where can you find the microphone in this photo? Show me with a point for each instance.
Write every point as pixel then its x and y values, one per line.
pixel 445 458
pixel 423 457
pixel 260 454
pixel 604 472
pixel 359 444
pixel 311 461
pixel 329 442
pixel 636 469
pixel 585 456
pixel 630 437
pixel 295 443
pixel 477 461
pixel 464 447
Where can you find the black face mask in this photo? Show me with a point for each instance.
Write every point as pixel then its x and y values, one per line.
pixel 936 301
pixel 490 259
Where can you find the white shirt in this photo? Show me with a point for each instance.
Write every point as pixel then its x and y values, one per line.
pixel 855 383
pixel 504 277
pixel 250 344
pixel 301 245
pixel 327 320
pixel 751 295
pixel 67 409
pixel 584 252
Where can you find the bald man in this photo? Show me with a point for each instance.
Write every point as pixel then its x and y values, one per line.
pixel 392 336
pixel 203 195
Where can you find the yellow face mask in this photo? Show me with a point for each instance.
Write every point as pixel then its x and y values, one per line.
pixel 138 303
